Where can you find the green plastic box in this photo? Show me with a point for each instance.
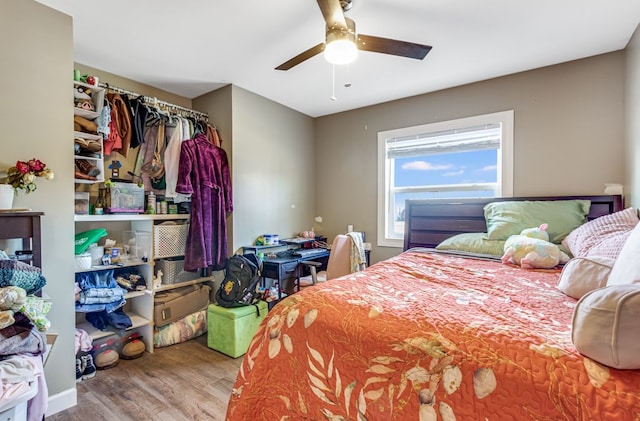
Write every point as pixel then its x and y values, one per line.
pixel 230 330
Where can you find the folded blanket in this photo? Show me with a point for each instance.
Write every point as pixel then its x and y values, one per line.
pixel 20 274
pixel 36 309
pixel 21 327
pixel 35 343
pixel 17 368
pixel 12 297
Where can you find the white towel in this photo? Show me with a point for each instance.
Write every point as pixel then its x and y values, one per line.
pixel 358 256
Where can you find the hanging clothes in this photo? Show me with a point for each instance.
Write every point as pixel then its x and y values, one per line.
pixel 214 135
pixel 113 141
pixel 204 173
pixel 138 111
pixel 104 120
pixel 120 115
pixel 172 158
pixel 154 139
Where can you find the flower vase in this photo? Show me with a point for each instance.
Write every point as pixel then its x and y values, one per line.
pixel 7 193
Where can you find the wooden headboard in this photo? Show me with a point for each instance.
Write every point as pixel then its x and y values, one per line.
pixel 429 222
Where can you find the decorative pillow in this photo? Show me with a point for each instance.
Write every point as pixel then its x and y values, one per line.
pixel 584 274
pixel 611 246
pixel 605 326
pixel 603 236
pixel 510 218
pixel 473 242
pixel 626 270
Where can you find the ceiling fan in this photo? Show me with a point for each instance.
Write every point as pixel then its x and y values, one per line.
pixel 342 42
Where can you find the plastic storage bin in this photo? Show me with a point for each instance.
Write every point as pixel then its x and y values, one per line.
pixel 230 330
pixel 123 198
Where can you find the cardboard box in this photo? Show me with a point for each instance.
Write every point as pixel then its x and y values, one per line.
pixel 123 197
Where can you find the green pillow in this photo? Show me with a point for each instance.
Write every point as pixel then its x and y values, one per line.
pixel 473 242
pixel 510 218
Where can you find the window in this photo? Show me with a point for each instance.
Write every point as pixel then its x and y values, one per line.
pixel 464 158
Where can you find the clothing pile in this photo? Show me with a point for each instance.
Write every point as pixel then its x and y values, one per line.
pixel 99 295
pixel 22 338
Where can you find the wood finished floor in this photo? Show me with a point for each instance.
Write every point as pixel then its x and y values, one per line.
pixel 186 381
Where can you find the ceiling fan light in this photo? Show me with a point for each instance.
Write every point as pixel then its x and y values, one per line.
pixel 341 51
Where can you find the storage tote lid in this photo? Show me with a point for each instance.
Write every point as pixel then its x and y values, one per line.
pixel 86 238
pixel 238 312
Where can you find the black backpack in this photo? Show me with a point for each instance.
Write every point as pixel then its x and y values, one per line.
pixel 240 284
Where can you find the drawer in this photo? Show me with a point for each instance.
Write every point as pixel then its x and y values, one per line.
pixel 270 270
pixel 288 270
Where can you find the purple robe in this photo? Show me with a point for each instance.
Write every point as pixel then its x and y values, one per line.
pixel 204 173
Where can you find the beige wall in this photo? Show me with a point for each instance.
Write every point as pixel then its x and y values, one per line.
pixel 273 169
pixel 568 137
pixel 36 115
pixel 632 108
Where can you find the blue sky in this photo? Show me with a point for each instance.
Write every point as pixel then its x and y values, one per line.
pixel 454 168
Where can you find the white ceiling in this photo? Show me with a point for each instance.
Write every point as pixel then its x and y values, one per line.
pixel 192 47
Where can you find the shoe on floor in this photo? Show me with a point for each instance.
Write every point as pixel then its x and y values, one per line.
pixel 89 367
pixel 78 370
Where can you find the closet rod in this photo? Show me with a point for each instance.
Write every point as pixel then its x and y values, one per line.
pixel 155 101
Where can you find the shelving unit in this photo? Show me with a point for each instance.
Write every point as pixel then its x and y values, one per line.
pixel 96 158
pixel 139 306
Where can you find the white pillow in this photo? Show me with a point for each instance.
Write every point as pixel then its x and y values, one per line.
pixel 605 326
pixel 584 274
pixel 626 270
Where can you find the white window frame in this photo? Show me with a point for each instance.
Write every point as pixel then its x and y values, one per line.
pixel 505 161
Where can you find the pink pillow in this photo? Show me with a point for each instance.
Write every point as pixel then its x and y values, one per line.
pixel 611 245
pixel 602 236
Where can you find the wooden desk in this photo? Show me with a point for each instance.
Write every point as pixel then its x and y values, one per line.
pixel 287 268
pixel 25 226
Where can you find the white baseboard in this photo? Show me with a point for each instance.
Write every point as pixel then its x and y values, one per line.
pixel 61 401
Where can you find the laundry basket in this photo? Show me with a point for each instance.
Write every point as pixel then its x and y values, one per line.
pixel 173 271
pixel 169 240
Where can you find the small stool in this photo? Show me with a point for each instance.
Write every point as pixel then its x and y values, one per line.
pixel 230 330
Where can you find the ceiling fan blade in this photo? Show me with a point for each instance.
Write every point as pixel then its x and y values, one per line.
pixel 332 12
pixel 392 46
pixel 301 57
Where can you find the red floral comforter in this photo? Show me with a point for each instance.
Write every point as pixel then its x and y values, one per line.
pixel 428 336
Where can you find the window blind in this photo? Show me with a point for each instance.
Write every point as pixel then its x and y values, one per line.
pixel 485 137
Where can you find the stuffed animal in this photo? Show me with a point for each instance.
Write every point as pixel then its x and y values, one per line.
pixel 532 250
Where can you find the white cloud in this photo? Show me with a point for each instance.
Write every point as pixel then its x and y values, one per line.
pixel 489 168
pixel 425 166
pixel 453 173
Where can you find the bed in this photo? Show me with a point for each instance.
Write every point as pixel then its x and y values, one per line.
pixel 431 335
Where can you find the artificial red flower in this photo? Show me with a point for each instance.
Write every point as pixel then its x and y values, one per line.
pixel 36 165
pixel 22 167
pixel 23 175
